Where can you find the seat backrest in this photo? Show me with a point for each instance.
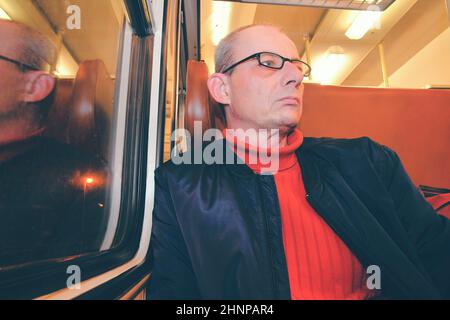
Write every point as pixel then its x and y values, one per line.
pixel 199 104
pixel 58 111
pixel 81 113
pixel 415 123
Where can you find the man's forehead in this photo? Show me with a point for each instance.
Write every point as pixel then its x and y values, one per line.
pixel 264 38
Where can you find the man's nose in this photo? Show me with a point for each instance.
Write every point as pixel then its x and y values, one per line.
pixel 292 74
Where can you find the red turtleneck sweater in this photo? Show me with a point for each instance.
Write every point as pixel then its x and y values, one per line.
pixel 320 266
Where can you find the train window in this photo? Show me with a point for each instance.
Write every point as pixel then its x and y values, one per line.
pixel 380 47
pixel 58 66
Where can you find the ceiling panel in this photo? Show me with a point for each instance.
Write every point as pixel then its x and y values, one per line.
pixel 418 27
pixel 98 37
pixel 331 34
pixel 295 22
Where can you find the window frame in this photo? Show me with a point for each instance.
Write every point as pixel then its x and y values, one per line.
pixel 42 279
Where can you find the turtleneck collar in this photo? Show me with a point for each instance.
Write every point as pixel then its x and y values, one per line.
pixel 267 160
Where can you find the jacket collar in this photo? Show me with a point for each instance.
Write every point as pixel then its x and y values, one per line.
pixel 310 168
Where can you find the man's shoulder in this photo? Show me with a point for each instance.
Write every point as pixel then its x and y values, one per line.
pixel 337 143
pixel 206 157
pixel 48 152
pixel 360 148
pixel 61 168
pixel 345 152
pixel 58 152
pixel 181 171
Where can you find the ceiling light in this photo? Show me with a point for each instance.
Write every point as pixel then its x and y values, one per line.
pixel 363 23
pixel 63 71
pixel 220 21
pixel 4 15
pixel 328 67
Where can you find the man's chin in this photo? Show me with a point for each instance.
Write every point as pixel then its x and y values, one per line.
pixel 290 121
pixel 287 128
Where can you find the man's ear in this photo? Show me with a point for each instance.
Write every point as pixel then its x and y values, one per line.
pixel 218 88
pixel 38 86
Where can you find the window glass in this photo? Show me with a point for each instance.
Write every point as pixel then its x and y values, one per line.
pixel 58 65
pixel 172 46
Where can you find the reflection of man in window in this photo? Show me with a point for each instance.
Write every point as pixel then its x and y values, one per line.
pixel 50 203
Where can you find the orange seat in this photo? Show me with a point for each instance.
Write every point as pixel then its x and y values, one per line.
pixel 199 104
pixel 413 122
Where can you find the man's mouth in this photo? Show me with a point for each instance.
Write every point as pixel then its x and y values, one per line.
pixel 290 100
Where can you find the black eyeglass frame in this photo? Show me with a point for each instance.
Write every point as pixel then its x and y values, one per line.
pixel 22 66
pixel 258 56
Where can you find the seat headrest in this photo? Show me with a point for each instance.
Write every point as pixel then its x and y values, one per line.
pixel 90 114
pixel 58 111
pixel 199 104
pixel 81 112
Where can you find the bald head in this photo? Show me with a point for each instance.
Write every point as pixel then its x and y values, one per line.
pixel 22 43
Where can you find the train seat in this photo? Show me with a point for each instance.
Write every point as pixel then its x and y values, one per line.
pixel 413 122
pixel 199 104
pixel 57 113
pixel 81 112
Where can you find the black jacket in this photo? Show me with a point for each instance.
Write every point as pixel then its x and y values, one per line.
pixel 216 230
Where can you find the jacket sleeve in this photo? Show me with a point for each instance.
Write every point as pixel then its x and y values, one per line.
pixel 429 231
pixel 172 275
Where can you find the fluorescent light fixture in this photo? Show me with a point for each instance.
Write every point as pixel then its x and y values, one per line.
pixel 220 21
pixel 328 67
pixel 378 5
pixel 4 15
pixel 63 71
pixel 363 23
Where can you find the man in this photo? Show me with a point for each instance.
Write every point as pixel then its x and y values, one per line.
pixel 49 203
pixel 331 214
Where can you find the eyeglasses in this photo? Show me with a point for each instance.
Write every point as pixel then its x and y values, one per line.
pixel 22 66
pixel 274 61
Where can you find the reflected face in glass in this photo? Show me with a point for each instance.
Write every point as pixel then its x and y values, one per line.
pixel 11 79
pixel 262 97
pixel 53 185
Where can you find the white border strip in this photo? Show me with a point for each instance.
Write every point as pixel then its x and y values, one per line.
pixel 63 294
pixel 119 140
